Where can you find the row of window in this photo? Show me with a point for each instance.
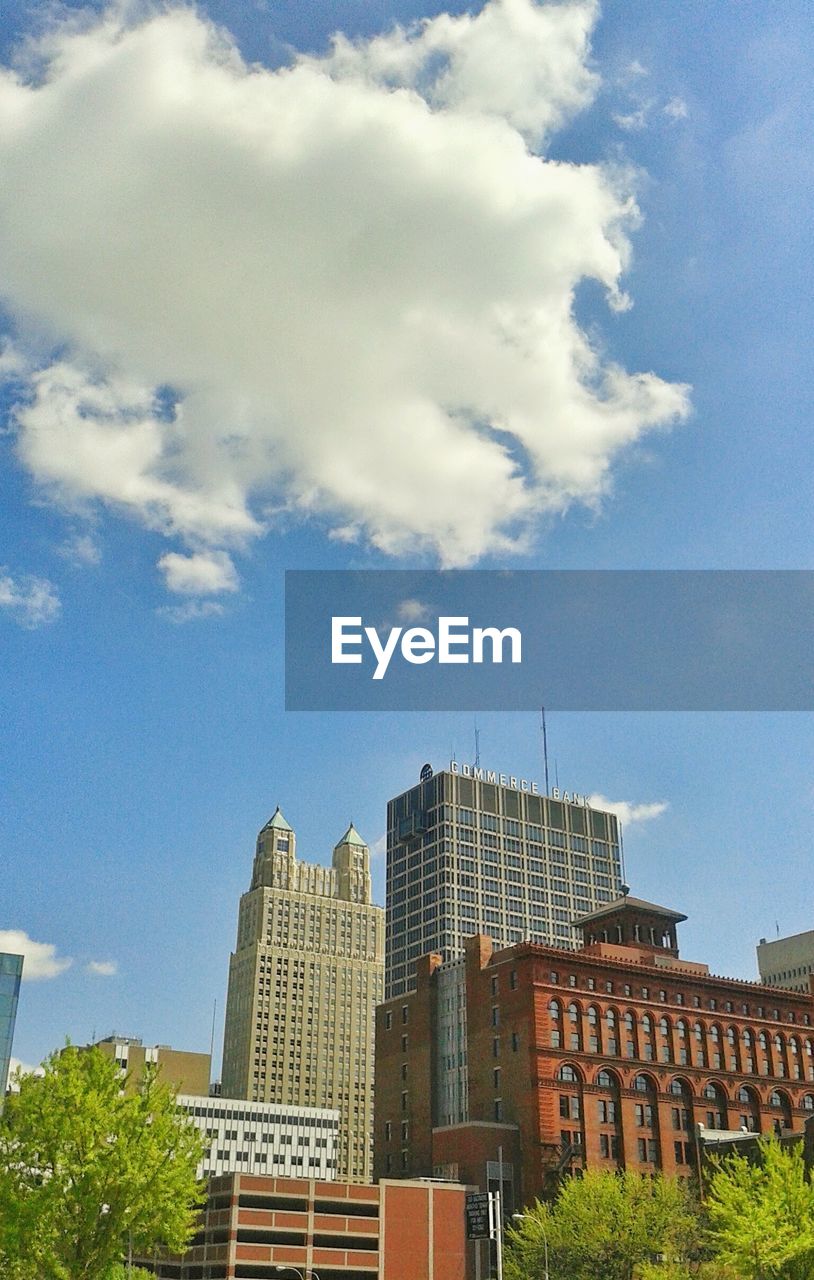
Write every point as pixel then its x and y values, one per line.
pixel 677 997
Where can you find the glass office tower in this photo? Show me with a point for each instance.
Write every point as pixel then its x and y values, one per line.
pixel 11 968
pixel 471 851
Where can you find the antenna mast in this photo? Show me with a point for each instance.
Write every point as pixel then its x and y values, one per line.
pixel 477 746
pixel 545 747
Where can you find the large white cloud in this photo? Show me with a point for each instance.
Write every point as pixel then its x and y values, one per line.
pixel 40 959
pixel 343 288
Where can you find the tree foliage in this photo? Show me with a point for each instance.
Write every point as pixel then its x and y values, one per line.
pixel 87 1171
pixel 761 1214
pixel 602 1226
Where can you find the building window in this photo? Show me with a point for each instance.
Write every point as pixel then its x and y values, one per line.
pixel 515 1042
pixel 404 1101
pixel 403 1044
pixel 495 1015
pixel 513 979
pixel 388 1131
pixel 404 1012
pixel 405 1129
pixel 388 1020
pixel 498 1109
pixel 496 1046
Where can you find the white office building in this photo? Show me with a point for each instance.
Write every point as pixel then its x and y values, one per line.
pixel 264 1137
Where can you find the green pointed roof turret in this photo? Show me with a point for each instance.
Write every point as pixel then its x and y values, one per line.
pixel 277 821
pixel 351 836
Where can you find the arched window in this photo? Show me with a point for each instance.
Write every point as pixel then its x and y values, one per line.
pixel 779 1099
pixel 781 1066
pixel 683 1047
pixel 607 1080
pixel 715 1047
pixel 764 1061
pixel 575 1027
pixel 700 1045
pixel 631 1048
pixel 748 1052
pixel 594 1030
pixel 554 1014
pixel 808 1102
pixel 642 1085
pixel 809 1060
pixel 666 1046
pixel 732 1053
pixel 750 1109
pixel 795 1061
pixel 612 1044
pixel 716 1108
pixel 568 1074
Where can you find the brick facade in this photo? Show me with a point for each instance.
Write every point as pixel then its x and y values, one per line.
pixel 607 1056
pixel 256 1228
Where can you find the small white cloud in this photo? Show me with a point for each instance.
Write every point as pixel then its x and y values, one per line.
pixel 627 812
pixel 80 550
pixel 192 611
pixel 676 109
pixel 31 602
pixel 207 573
pixel 412 611
pixel 102 968
pixel 40 959
pixel 635 70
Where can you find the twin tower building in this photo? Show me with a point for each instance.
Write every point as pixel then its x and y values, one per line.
pixel 464 856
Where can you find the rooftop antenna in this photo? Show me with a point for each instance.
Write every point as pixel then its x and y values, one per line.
pixel 545 747
pixel 477 745
pixel 556 775
pixel 212 1037
pixel 625 889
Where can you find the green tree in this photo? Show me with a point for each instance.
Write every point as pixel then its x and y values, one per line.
pixel 602 1226
pixel 761 1214
pixel 87 1171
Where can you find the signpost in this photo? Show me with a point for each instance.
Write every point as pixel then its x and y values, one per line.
pixel 480 1216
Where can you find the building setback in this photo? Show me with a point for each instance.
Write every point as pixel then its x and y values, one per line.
pixel 787 962
pixel 472 851
pixel 304 980
pixel 607 1056
pixel 261 1228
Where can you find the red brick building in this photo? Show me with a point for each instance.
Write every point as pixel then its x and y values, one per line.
pixel 605 1056
pixel 258 1228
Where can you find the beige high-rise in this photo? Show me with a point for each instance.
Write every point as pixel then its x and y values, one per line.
pixel 304 981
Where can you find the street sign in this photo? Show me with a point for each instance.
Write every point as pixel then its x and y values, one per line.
pixel 480 1216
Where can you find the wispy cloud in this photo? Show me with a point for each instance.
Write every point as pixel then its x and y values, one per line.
pixel 192 611
pixel 228 343
pixel 412 611
pixel 32 602
pixel 81 550
pixel 628 812
pixel 40 959
pixel 102 968
pixel 676 109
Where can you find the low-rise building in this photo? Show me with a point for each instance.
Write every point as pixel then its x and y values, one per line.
pixel 184 1071
pixel 263 1137
pixel 543 1059
pixel 255 1228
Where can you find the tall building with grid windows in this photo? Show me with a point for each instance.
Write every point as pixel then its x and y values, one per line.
pixel 304 981
pixel 472 851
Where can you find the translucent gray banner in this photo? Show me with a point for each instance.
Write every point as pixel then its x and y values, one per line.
pixel 657 640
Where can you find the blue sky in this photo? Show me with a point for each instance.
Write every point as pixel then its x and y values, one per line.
pixel 227 357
